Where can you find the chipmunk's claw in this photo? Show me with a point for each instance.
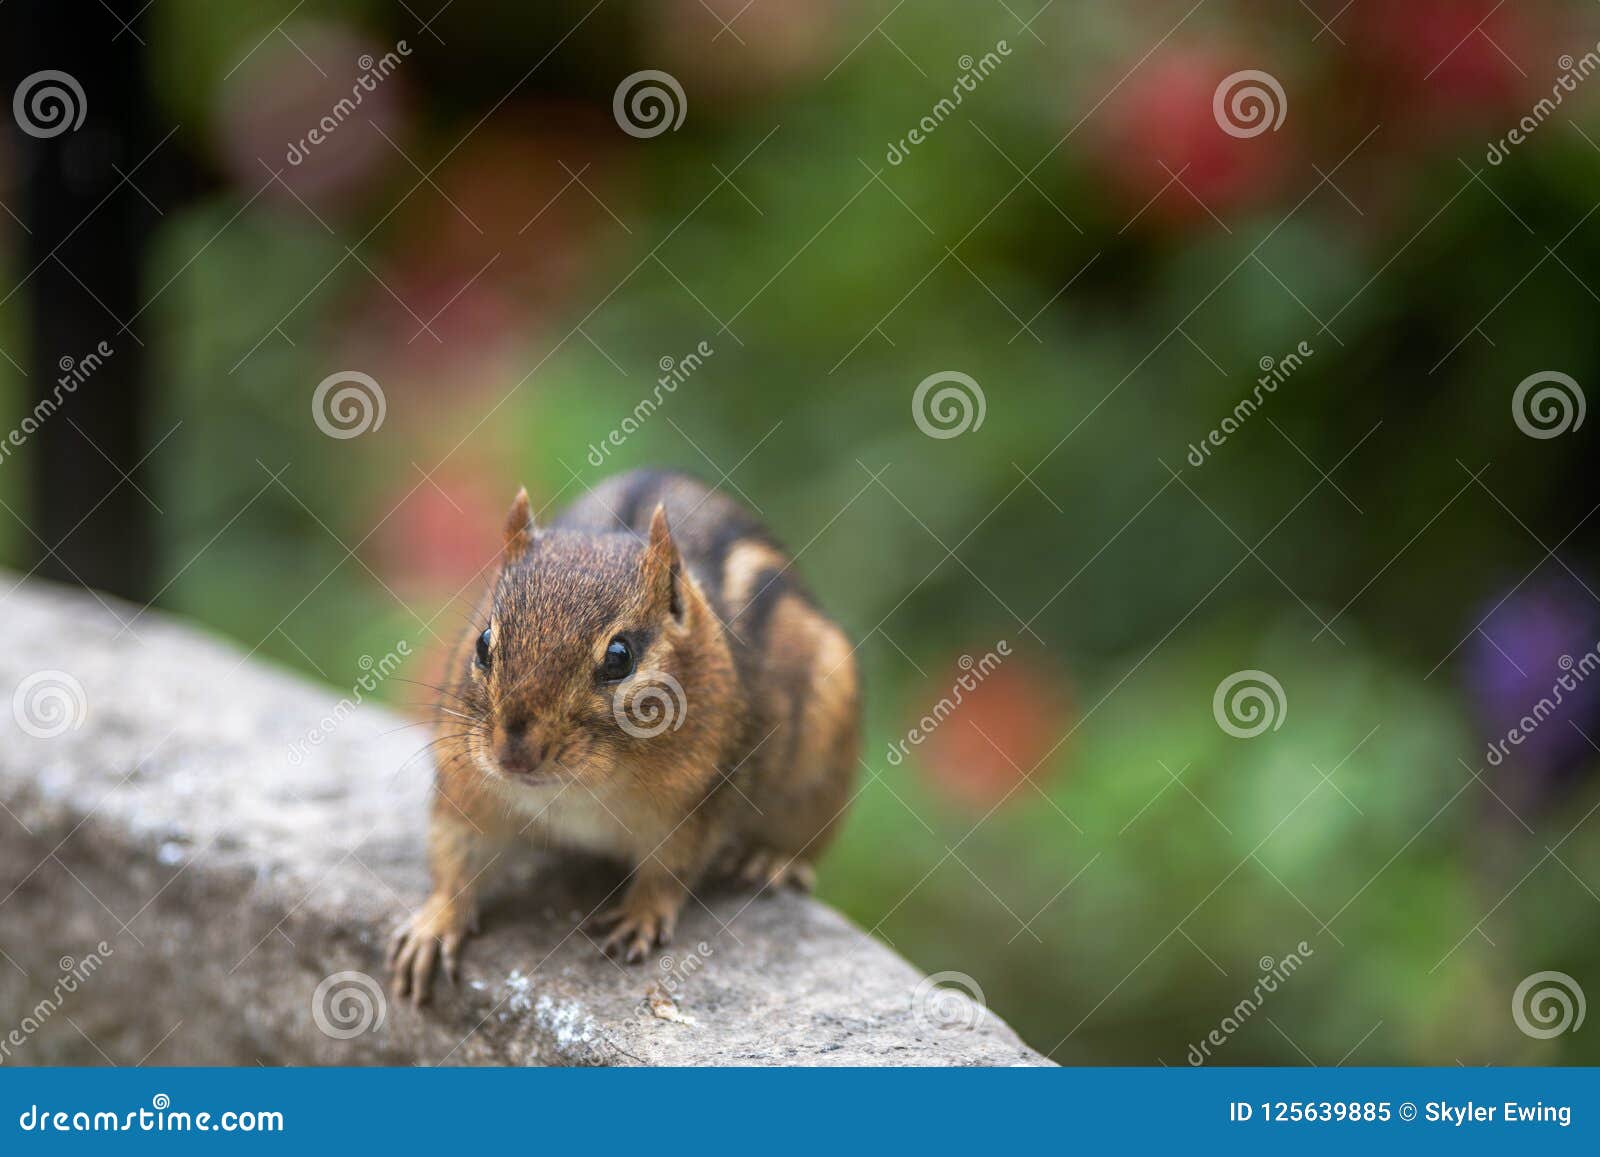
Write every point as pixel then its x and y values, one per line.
pixel 639 930
pixel 417 945
pixel 769 871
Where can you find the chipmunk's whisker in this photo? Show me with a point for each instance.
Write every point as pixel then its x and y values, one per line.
pixel 404 727
pixel 435 688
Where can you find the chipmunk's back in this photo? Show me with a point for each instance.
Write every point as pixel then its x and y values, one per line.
pixel 799 743
pixel 743 570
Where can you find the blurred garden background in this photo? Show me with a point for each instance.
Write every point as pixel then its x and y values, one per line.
pixel 1083 236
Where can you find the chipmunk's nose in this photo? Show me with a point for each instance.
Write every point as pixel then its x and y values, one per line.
pixel 521 752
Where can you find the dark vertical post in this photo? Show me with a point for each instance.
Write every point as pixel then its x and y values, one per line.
pixel 90 519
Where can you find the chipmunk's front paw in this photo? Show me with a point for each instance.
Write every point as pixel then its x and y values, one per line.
pixel 643 921
pixel 435 932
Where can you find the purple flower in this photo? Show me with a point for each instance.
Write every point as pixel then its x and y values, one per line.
pixel 1533 677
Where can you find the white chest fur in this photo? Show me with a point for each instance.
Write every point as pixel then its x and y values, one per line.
pixel 576 816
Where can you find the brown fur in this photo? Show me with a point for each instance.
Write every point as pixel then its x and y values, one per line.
pixel 748 772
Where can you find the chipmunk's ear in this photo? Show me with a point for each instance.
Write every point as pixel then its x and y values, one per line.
pixel 519 527
pixel 662 568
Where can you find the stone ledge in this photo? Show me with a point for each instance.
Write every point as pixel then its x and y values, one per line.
pixel 228 882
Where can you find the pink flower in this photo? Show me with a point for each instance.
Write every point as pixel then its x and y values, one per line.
pixel 728 48
pixel 311 109
pixel 440 537
pixel 489 256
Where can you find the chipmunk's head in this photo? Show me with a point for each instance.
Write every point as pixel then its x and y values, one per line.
pixel 600 655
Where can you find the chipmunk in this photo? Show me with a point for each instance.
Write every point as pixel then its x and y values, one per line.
pixel 646 679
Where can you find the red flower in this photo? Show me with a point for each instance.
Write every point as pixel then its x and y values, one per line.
pixel 987 726
pixel 1161 135
pixel 1448 61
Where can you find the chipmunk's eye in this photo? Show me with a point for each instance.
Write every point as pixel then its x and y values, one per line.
pixel 483 648
pixel 618 662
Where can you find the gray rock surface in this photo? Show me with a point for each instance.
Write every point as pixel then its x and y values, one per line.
pixel 175 887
